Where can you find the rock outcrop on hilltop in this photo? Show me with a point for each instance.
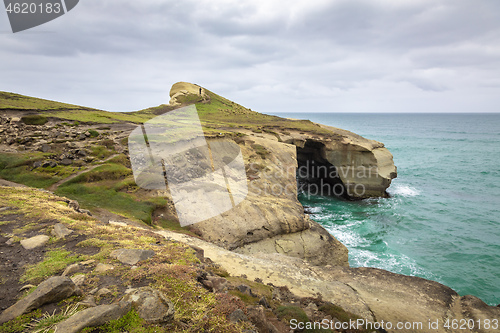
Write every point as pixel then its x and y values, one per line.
pixel 184 93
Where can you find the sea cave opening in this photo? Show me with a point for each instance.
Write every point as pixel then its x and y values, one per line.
pixel 315 174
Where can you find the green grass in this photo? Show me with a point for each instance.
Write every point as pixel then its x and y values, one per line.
pixel 21 102
pixel 93 133
pixel 17 168
pixel 100 117
pixel 19 324
pixel 291 312
pixel 221 112
pixel 54 262
pixel 130 323
pixel 34 120
pixel 101 152
pixel 116 202
pixel 108 171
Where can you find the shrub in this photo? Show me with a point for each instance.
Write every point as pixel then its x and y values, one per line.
pixel 93 133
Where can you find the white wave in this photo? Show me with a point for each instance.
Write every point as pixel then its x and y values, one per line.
pixel 404 191
pixel 315 210
pixel 396 263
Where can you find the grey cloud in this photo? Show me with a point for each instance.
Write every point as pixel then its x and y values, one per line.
pixel 124 55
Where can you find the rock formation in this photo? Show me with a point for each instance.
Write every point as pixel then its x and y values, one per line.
pixel 374 295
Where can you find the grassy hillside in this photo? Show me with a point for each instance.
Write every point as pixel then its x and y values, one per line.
pixel 218 114
pixel 21 102
pixel 105 178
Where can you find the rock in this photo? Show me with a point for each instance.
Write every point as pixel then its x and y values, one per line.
pixel 73 205
pixel 82 136
pixel 88 301
pixel 370 293
pixel 26 287
pixel 52 290
pixel 34 242
pixel 66 161
pixel 310 310
pixel 257 316
pixel 199 253
pixel 283 294
pixel 87 262
pixel 263 301
pixel 245 289
pixel 85 211
pixel 151 305
pixel 37 164
pixel 78 279
pixel 273 221
pixel 61 231
pixel 237 316
pixel 47 164
pixel 181 92
pixel 215 284
pixel 101 268
pixel 71 269
pixel 118 224
pixel 94 316
pixel 103 292
pixel 315 245
pixel 44 147
pixel 131 256
pixel 10 241
pixel 87 134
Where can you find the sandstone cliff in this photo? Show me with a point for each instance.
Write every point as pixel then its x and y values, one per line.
pixel 271 219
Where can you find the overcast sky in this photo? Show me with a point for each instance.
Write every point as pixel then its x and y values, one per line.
pixel 268 55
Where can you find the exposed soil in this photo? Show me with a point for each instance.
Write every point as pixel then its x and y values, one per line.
pixel 14 259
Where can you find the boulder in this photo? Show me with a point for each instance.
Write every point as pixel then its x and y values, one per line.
pixel 151 305
pixel 93 316
pixel 184 92
pixel 101 268
pixel 103 292
pixel 52 290
pixel 71 269
pixel 215 283
pixel 61 231
pixel 78 279
pixel 44 147
pixel 238 316
pixel 66 161
pixel 34 242
pixel 257 316
pixel 131 256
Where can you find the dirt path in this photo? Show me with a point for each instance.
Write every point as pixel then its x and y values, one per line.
pixel 54 187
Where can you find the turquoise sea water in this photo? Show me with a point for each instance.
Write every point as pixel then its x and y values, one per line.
pixel 443 219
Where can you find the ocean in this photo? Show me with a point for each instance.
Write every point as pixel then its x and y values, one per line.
pixel 442 221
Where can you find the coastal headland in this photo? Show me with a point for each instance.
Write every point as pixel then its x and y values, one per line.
pixel 265 259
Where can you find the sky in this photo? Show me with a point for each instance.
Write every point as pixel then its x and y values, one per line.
pixel 269 55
